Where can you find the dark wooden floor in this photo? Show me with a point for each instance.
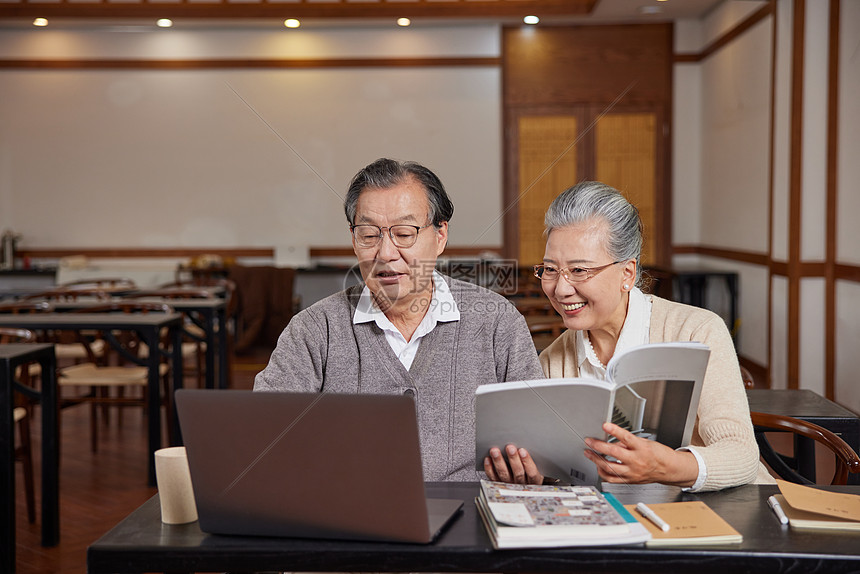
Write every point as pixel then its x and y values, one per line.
pixel 97 490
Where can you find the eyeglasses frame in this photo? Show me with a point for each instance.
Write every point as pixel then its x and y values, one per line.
pixel 390 234
pixel 565 272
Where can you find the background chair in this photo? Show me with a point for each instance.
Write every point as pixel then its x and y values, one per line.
pixel 21 416
pixel 99 377
pixel 544 330
pixel 787 466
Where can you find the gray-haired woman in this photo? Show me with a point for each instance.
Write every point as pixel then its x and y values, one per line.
pixel 590 274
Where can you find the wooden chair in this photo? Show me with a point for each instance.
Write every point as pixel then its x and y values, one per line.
pixel 747 378
pixel 99 377
pixel 787 466
pixel 544 330
pixel 21 416
pixel 105 284
pixel 194 333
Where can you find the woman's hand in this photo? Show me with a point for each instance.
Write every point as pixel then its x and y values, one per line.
pixel 519 468
pixel 640 461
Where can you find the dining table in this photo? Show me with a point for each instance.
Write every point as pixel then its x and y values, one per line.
pixel 12 356
pixel 149 327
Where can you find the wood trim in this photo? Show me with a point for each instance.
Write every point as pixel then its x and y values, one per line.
pixel 846 272
pixel 473 251
pixel 751 257
pixel 125 64
pixel 131 252
pixel 770 190
pixel 832 200
pixel 795 192
pixel 728 37
pixel 362 9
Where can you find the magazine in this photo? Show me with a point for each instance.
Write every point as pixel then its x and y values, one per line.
pixel 525 516
pixel 652 390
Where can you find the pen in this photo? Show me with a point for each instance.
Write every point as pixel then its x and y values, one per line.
pixel 777 509
pixel 652 516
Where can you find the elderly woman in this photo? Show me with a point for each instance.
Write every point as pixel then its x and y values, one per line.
pixel 590 273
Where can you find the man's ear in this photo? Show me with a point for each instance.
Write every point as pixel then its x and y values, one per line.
pixel 441 238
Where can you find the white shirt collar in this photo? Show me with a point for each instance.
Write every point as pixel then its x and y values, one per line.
pixel 443 308
pixel 635 331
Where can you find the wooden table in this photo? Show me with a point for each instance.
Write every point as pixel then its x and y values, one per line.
pixel 141 543
pixel 149 327
pixel 811 407
pixel 12 356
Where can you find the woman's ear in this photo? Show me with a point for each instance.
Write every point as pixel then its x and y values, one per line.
pixel 628 275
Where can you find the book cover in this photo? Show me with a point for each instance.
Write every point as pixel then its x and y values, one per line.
pixel 552 417
pixel 808 507
pixel 690 523
pixel 525 516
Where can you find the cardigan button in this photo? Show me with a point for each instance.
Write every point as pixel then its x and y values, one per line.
pixel 409 393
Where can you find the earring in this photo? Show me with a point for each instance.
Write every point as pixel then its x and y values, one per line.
pixel 626 287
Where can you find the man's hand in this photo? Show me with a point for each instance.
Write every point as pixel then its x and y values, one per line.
pixel 516 467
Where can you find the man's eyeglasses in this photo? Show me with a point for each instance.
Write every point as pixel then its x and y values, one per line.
pixel 402 236
pixel 570 274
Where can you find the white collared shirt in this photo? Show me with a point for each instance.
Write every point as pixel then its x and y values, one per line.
pixel 635 331
pixel 442 309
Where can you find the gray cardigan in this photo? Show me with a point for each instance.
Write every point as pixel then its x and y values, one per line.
pixel 321 350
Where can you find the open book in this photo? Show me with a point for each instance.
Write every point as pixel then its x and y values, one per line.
pixel 532 516
pixel 653 390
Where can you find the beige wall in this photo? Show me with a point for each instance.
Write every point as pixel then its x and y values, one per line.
pixel 228 157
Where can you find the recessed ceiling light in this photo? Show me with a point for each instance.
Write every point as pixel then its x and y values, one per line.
pixel 164 23
pixel 404 21
pixel 292 23
pixel 40 22
pixel 531 20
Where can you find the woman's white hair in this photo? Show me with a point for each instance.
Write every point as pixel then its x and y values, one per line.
pixel 589 200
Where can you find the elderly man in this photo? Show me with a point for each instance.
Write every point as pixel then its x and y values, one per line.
pixel 409 329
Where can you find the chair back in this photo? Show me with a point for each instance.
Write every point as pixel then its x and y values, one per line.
pixel 846 459
pixel 12 335
pixel 101 283
pixel 24 307
pixel 69 294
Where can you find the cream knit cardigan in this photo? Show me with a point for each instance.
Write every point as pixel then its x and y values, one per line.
pixel 723 434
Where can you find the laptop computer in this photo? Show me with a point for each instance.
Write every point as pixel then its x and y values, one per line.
pixel 310 465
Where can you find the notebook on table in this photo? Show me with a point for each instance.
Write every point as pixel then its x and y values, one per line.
pixel 310 465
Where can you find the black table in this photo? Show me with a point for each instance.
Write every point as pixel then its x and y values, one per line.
pixel 208 314
pixel 149 327
pixel 811 407
pixel 141 543
pixel 12 356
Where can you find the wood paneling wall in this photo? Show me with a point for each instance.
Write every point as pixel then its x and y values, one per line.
pixel 601 74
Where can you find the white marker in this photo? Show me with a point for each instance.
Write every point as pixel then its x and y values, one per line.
pixel 777 509
pixel 652 516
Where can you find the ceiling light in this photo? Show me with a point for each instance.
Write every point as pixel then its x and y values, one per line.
pixel 292 23
pixel 164 23
pixel 403 21
pixel 40 22
pixel 531 20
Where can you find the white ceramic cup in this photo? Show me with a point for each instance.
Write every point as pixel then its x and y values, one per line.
pixel 174 486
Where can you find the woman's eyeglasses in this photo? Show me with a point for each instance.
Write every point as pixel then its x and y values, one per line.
pixel 571 274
